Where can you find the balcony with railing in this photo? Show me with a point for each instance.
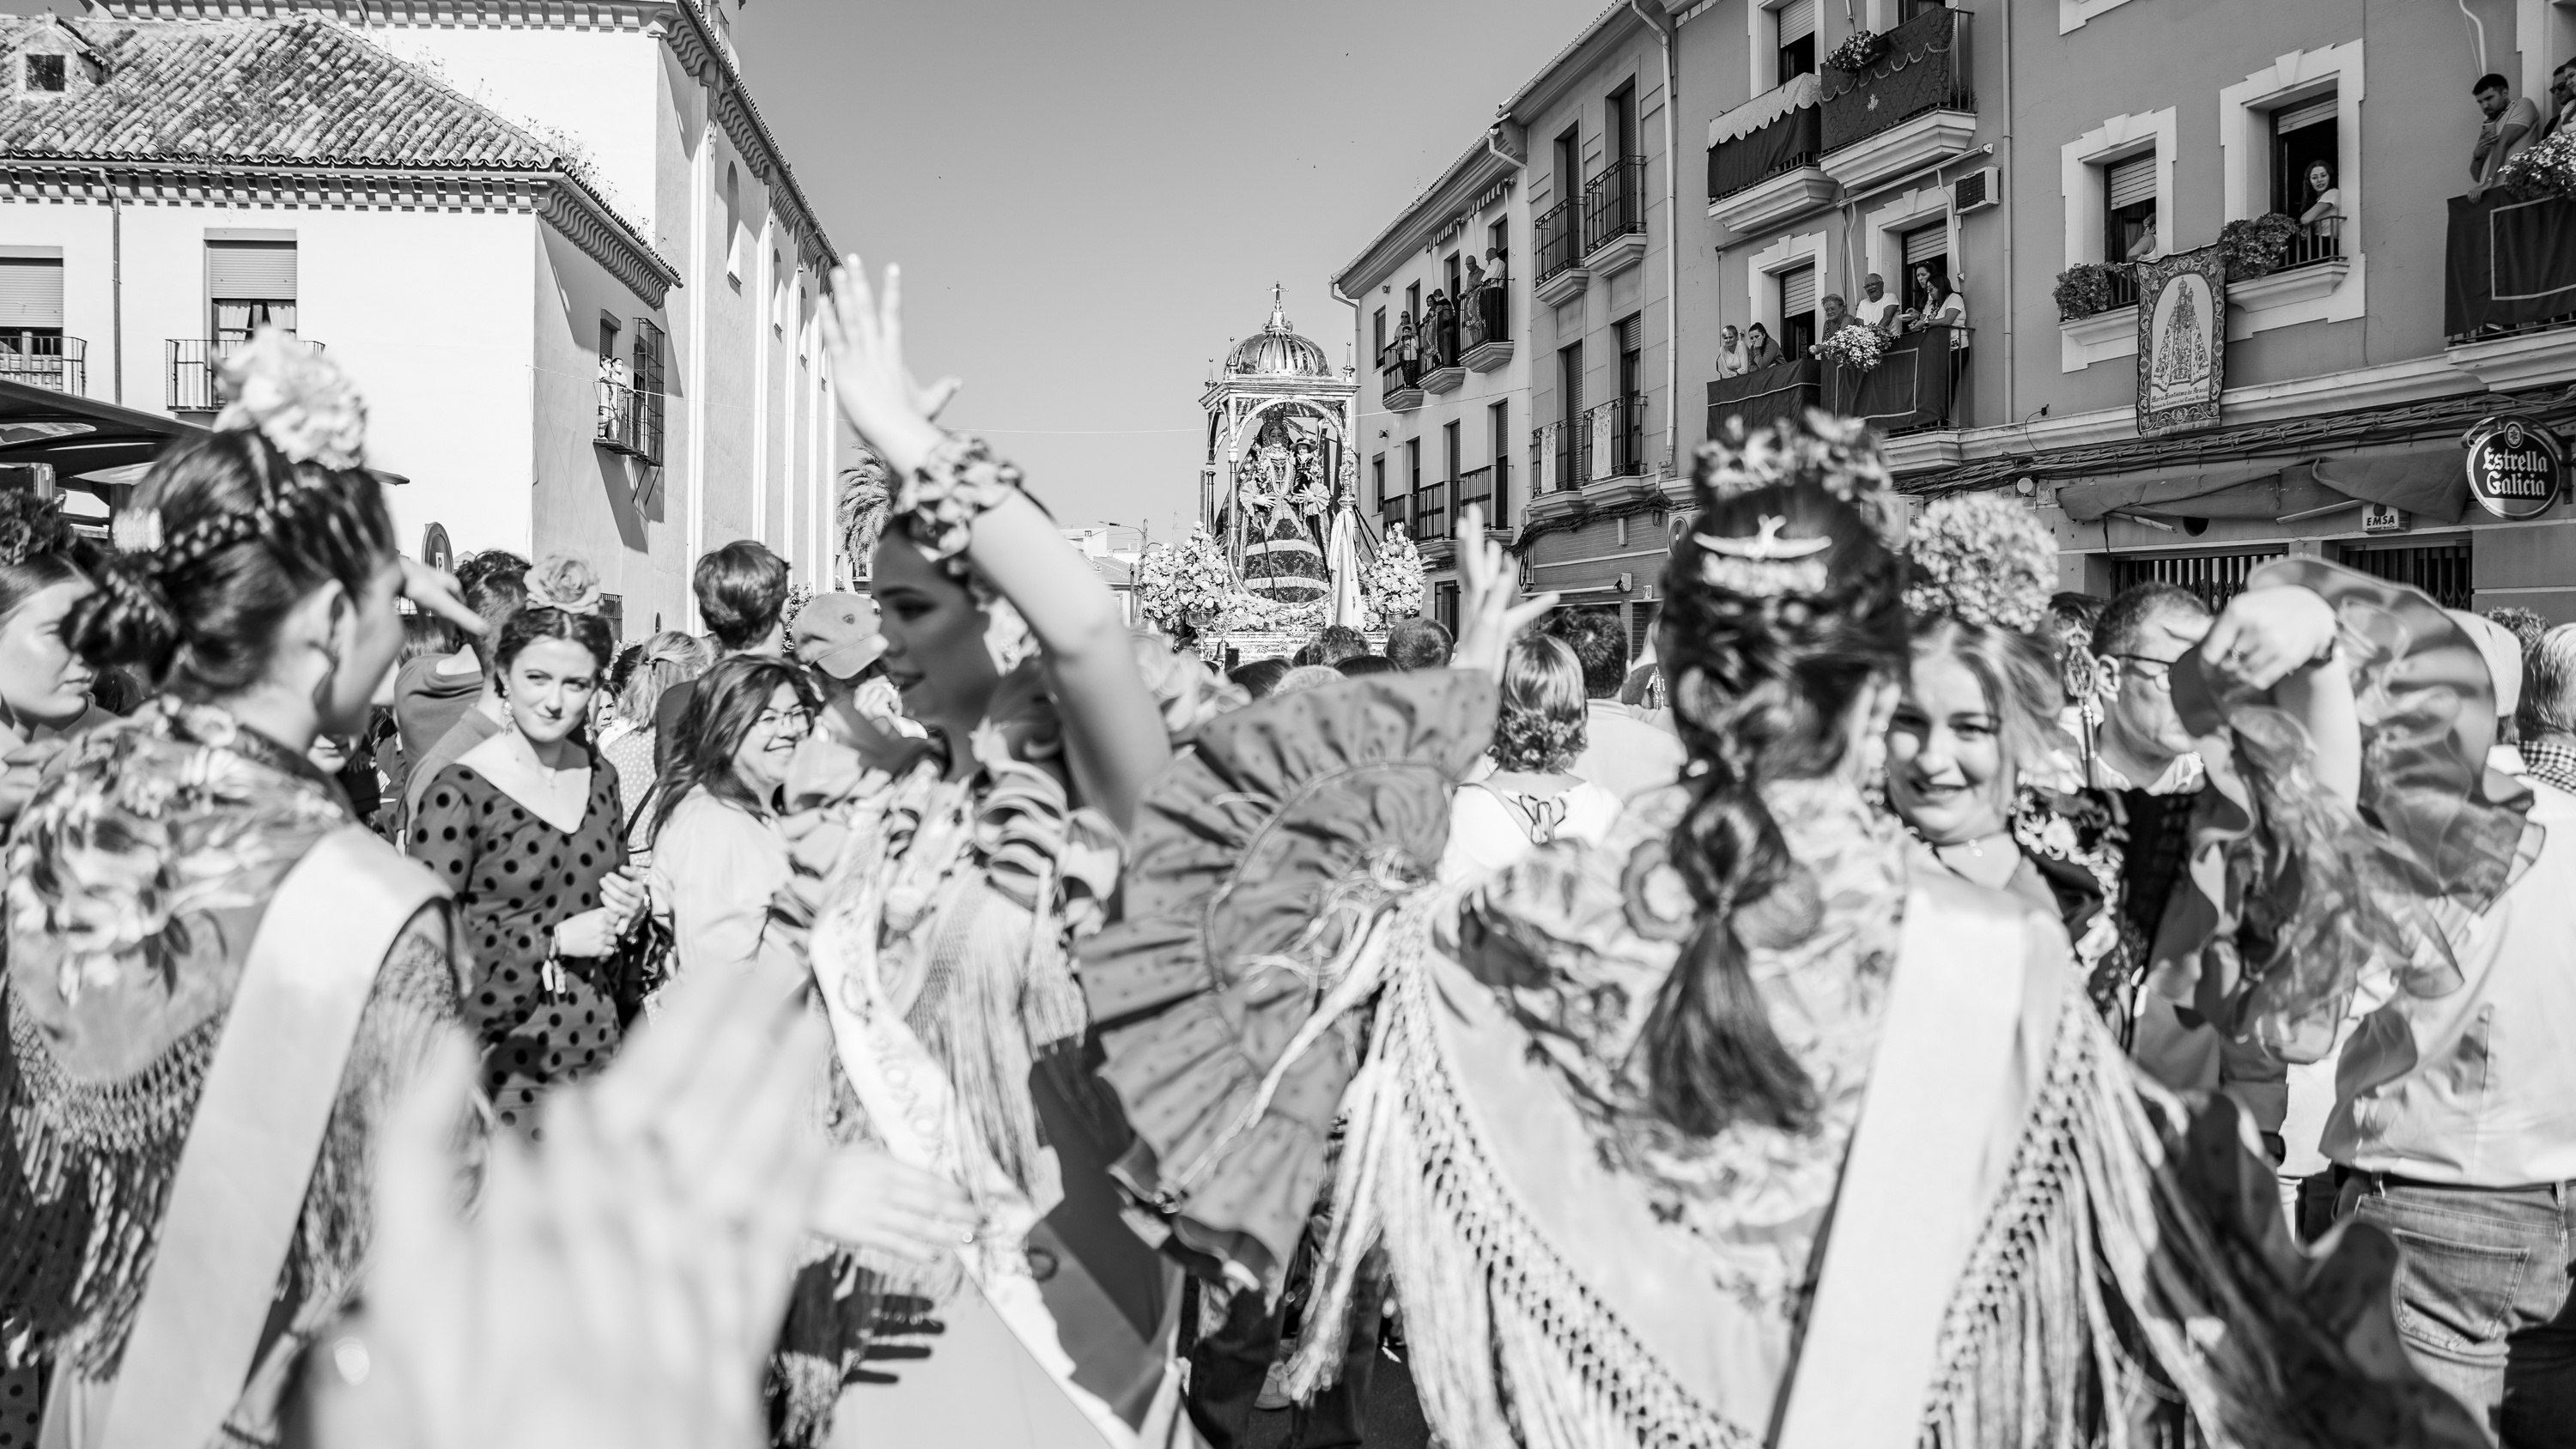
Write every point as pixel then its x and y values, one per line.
pixel 1913 107
pixel 1781 392
pixel 1399 382
pixel 1486 321
pixel 1488 488
pixel 46 360
pixel 1557 453
pixel 1614 217
pixel 1617 431
pixel 1431 513
pixel 1441 372
pixel 1395 508
pixel 1561 275
pixel 1913 388
pixel 195 370
pixel 2509 305
pixel 1762 162
pixel 630 421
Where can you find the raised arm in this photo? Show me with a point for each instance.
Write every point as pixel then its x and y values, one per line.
pixel 1114 735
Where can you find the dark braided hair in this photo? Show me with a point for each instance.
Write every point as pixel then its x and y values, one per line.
pixel 1763 678
pixel 244 534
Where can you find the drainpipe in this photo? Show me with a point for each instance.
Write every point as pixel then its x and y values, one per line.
pixel 2012 185
pixel 115 288
pixel 1672 250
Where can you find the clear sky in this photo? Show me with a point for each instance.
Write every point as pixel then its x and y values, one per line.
pixel 1089 197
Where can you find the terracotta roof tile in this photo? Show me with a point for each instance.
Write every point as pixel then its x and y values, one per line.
pixel 300 90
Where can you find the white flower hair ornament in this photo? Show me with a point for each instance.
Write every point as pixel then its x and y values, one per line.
pixel 1983 559
pixel 564 582
pixel 1765 565
pixel 297 398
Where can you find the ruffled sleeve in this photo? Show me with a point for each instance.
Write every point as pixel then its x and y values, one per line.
pixel 1259 861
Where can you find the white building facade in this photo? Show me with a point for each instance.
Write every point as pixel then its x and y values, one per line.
pixel 556 247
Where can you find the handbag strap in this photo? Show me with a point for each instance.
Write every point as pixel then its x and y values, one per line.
pixel 269 1091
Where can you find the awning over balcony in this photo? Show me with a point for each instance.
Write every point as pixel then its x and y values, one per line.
pixel 1791 140
pixel 2428 482
pixel 2511 262
pixel 1804 93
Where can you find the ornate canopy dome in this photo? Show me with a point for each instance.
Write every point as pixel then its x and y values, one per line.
pixel 1277 351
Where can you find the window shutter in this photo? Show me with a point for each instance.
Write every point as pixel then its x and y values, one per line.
pixel 2133 180
pixel 1926 244
pixel 1798 292
pixel 251 271
pixel 31 292
pixel 1629 336
pixel 1797 20
pixel 2318 112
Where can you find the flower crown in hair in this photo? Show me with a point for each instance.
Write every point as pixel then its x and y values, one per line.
pixel 296 398
pixel 563 582
pixel 1983 559
pixel 1834 452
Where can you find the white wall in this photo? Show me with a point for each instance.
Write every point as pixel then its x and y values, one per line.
pixel 428 311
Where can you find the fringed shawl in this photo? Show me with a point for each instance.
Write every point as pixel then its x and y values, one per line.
pixel 137 880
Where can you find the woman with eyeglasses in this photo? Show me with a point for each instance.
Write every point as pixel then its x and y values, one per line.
pixel 718 854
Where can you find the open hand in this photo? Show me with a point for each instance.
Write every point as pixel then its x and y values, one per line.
pixel 2265 634
pixel 436 590
pixel 620 1284
pixel 869 1200
pixel 1488 586
pixel 864 336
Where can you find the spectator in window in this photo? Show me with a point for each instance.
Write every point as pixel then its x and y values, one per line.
pixel 742 594
pixel 1944 307
pixel 1759 350
pixel 2509 126
pixel 2324 216
pixel 1420 643
pixel 2144 248
pixel 1877 308
pixel 1730 353
pixel 1837 313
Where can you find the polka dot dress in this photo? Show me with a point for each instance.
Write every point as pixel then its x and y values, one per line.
pixel 515 878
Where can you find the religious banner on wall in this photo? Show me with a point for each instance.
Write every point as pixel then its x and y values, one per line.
pixel 2182 341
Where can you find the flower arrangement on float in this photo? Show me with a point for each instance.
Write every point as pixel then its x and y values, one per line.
pixel 1393 585
pixel 1188 588
pixel 1859 348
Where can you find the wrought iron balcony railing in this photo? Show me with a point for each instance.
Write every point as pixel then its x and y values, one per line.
pixel 196 381
pixel 37 359
pixel 630 420
pixel 1614 203
pixel 1559 241
pixel 1620 424
pixel 1431 512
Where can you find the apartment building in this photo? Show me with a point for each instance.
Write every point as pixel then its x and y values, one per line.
pixel 1442 307
pixel 557 248
pixel 2063 166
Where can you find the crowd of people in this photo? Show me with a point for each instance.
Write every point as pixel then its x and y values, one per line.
pixel 1904 1005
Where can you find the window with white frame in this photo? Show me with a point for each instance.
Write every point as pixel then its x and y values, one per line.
pixel 1784 283
pixel 2087 183
pixel 2129 208
pixel 1797 311
pixel 1782 36
pixel 2290 142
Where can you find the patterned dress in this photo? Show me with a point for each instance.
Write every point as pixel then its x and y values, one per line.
pixel 516 878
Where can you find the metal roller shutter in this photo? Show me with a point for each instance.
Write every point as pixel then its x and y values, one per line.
pixel 2318 112
pixel 251 271
pixel 31 292
pixel 1927 244
pixel 2133 180
pixel 1797 20
pixel 1798 292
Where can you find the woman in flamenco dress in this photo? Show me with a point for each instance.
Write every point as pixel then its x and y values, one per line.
pixel 1747 1125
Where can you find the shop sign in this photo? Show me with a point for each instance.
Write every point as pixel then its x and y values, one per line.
pixel 2516 468
pixel 2380 518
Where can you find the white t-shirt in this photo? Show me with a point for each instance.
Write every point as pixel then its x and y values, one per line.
pixel 1488 832
pixel 1880 314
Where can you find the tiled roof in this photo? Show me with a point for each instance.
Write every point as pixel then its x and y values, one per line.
pixel 272 92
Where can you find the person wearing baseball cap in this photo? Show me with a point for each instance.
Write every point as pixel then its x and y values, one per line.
pixel 837 634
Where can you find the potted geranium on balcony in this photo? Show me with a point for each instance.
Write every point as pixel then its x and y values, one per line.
pixel 2084 290
pixel 2253 246
pixel 2547 169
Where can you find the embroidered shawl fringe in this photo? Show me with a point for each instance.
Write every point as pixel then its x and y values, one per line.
pixel 1506 1344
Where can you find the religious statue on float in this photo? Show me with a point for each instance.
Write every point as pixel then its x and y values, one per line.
pixel 1283 499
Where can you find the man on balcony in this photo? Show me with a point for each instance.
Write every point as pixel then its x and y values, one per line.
pixel 1876 308
pixel 2509 126
pixel 2562 94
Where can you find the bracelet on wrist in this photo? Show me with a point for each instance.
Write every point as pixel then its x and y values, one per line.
pixel 938 503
